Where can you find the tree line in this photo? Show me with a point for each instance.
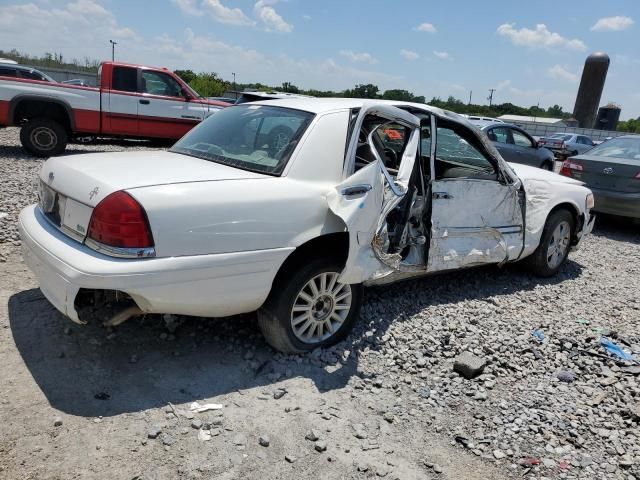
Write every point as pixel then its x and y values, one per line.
pixel 210 84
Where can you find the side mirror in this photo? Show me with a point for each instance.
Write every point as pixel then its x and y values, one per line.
pixel 187 96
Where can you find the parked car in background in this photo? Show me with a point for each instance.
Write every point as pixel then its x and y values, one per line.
pixel 77 81
pixel 223 99
pixel 516 145
pixel 564 145
pixel 612 171
pixel 479 121
pixel 131 101
pixel 238 217
pixel 255 96
pixel 14 70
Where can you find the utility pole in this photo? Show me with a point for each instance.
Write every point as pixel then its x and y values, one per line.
pixel 470 94
pixel 113 50
pixel 490 97
pixel 235 91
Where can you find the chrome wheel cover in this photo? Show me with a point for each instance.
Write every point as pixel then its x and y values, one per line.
pixel 558 244
pixel 320 308
pixel 44 138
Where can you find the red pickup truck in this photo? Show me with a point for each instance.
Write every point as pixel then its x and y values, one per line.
pixel 132 101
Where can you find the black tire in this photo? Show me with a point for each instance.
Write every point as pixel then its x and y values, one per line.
pixel 547 165
pixel 43 137
pixel 538 262
pixel 275 316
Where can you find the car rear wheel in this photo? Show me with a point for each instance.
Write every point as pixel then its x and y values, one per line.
pixel 310 308
pixel 548 165
pixel 554 245
pixel 43 137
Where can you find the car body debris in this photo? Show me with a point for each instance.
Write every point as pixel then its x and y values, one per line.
pixel 196 407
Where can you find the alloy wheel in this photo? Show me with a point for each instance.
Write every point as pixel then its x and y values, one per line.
pixel 558 244
pixel 320 308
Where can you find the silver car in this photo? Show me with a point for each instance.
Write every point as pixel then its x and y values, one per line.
pixel 564 145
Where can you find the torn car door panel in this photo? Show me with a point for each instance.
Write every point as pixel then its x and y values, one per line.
pixel 365 199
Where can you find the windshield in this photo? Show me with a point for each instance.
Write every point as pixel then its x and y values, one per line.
pixel 258 138
pixel 618 148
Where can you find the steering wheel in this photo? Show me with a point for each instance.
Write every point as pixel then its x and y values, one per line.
pixel 392 156
pixel 216 150
pixel 279 139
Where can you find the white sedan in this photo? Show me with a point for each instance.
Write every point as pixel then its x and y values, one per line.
pixel 289 207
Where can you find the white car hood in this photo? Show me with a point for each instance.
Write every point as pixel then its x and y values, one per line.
pixel 88 178
pixel 526 172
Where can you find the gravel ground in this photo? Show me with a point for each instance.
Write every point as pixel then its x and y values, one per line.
pixel 90 402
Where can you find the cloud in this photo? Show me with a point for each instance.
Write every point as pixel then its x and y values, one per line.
pixel 272 21
pixel 612 24
pixel 562 73
pixel 359 57
pixel 306 17
pixel 409 54
pixel 503 84
pixel 425 27
pixel 442 55
pixel 541 37
pixel 222 14
pixel 73 28
pixel 188 7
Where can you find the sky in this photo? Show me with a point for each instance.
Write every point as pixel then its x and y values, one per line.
pixel 529 52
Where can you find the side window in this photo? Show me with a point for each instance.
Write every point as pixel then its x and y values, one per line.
pixel 458 157
pixel 31 75
pixel 390 139
pixel 125 79
pixel 7 72
pixel 521 139
pixel 499 134
pixel 157 83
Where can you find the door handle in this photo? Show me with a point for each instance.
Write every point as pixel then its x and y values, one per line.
pixel 144 102
pixel 356 190
pixel 441 196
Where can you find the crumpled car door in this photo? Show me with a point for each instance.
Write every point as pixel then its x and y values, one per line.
pixel 364 199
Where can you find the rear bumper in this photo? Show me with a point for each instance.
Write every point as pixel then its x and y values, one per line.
pixel 617 203
pixel 213 285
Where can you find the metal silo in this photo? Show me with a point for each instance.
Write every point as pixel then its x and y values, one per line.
pixel 590 91
pixel 608 117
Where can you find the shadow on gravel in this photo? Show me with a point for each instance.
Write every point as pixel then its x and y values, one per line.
pixel 84 371
pixel 89 371
pixel 621 229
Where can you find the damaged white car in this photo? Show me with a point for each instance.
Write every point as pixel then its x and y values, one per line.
pixel 289 207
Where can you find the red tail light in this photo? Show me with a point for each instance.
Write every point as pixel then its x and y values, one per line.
pixel 569 165
pixel 120 221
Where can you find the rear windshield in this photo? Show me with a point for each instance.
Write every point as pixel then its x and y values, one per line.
pixel 258 138
pixel 618 148
pixel 560 136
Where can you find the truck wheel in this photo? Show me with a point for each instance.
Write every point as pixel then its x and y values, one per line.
pixel 43 137
pixel 309 308
pixel 554 245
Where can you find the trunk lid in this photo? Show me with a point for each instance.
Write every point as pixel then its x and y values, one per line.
pixel 608 173
pixel 90 177
pixel 71 186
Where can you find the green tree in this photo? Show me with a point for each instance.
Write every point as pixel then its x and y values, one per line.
pixel 555 111
pixel 363 91
pixel 208 84
pixel 187 75
pixel 402 95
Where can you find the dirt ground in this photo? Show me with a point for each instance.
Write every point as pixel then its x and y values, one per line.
pixel 110 388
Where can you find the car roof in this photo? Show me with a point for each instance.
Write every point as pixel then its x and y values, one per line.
pixel 328 104
pixel 485 126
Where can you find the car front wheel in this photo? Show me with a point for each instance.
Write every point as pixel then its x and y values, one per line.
pixel 43 137
pixel 310 308
pixel 554 246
